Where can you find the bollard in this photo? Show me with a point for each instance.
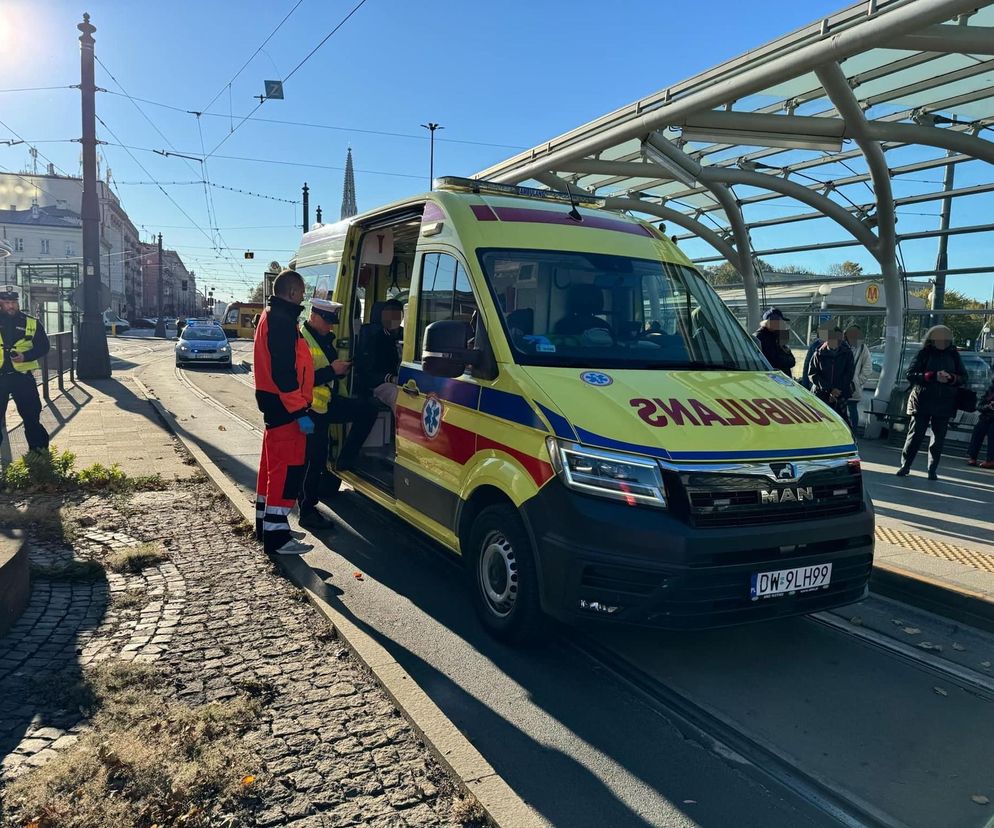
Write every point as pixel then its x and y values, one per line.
pixel 44 378
pixel 72 360
pixel 60 363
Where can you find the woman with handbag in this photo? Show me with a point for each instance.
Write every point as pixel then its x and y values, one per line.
pixel 983 428
pixel 935 374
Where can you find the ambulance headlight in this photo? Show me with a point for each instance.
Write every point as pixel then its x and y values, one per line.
pixel 626 477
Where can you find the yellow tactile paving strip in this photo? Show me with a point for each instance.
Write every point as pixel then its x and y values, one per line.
pixel 937 548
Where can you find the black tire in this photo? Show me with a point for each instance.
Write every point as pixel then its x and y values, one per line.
pixel 500 565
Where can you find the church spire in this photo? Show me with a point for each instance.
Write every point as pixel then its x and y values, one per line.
pixel 349 208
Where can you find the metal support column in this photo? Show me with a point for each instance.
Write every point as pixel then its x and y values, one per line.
pixel 839 92
pixel 942 257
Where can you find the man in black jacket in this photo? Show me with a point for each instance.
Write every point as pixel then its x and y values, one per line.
pixel 378 359
pixel 774 336
pixel 831 371
pixel 24 342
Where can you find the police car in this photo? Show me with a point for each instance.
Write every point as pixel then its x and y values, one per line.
pixel 202 343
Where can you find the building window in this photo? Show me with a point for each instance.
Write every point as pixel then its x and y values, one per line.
pixel 18 245
pixel 45 246
pixel 70 249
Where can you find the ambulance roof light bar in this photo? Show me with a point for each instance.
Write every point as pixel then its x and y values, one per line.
pixel 452 183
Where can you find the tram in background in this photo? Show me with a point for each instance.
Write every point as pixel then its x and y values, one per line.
pixel 238 321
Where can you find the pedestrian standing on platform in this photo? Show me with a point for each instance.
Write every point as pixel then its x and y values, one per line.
pixel 774 339
pixel 329 407
pixel 819 340
pixel 831 372
pixel 983 428
pixel 23 342
pixel 934 375
pixel 863 370
pixel 284 382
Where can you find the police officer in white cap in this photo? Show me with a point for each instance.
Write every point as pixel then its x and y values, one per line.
pixel 23 342
pixel 327 407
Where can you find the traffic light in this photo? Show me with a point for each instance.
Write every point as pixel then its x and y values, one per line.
pixel 249 254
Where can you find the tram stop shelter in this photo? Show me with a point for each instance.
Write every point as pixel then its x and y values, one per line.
pixel 846 125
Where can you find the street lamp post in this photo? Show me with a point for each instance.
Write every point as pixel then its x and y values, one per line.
pixel 160 323
pixel 93 361
pixel 431 127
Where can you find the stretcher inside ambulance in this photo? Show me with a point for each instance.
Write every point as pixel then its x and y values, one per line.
pixel 585 423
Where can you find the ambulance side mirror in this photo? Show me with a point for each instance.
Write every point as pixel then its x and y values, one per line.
pixel 445 352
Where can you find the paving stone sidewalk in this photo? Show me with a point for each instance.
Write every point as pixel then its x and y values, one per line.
pixel 221 622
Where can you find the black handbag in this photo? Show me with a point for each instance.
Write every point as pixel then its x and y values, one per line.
pixel 966 399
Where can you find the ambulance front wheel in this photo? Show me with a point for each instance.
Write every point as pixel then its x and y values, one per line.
pixel 503 578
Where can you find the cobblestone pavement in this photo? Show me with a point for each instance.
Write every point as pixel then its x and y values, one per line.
pixel 334 750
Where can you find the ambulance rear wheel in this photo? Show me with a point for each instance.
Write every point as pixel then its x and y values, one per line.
pixel 503 576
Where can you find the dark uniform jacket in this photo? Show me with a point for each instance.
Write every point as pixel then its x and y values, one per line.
pixel 776 354
pixel 929 397
pixel 12 330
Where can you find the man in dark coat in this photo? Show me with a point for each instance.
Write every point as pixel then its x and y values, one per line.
pixel 935 373
pixel 774 336
pixel 23 342
pixel 831 371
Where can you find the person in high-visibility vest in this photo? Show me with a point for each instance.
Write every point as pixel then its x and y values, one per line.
pixel 327 407
pixel 284 381
pixel 23 342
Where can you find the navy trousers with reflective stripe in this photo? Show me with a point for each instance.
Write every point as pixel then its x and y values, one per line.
pixel 24 390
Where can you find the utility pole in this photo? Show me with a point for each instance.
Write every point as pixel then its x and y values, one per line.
pixel 307 218
pixel 431 127
pixel 94 359
pixel 160 323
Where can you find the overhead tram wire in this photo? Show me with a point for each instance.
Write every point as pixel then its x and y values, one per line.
pixel 38 88
pixel 308 125
pixel 55 166
pixel 293 71
pixel 163 190
pixel 211 218
pixel 256 52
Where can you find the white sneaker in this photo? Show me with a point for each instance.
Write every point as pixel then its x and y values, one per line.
pixel 294 547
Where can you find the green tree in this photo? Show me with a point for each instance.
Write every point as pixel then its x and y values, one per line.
pixel 965 327
pixel 257 293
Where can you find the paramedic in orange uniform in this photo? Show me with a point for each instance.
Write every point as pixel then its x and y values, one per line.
pixel 284 381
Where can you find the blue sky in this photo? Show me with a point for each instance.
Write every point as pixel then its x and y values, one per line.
pixel 499 77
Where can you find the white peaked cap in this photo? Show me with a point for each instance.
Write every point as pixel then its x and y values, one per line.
pixel 326 305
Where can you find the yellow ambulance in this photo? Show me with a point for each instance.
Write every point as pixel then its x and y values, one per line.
pixel 580 418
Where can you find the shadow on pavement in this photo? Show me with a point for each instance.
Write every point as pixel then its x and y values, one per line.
pixel 54 417
pixel 600 716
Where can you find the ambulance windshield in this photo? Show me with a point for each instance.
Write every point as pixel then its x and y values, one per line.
pixel 593 310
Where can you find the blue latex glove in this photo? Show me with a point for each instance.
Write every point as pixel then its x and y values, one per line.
pixel 306 424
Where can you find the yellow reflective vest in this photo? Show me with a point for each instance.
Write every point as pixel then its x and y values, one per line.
pixel 22 346
pixel 322 393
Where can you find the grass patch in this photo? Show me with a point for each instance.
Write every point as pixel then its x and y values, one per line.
pixel 55 471
pixel 134 559
pixel 44 523
pixel 80 571
pixel 129 599
pixel 145 760
pixel 468 812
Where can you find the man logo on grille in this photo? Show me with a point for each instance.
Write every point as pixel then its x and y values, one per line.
pixel 784 471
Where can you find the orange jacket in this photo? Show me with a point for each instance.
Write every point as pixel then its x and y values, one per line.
pixel 283 366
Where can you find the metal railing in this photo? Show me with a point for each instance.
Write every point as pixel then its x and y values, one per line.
pixel 62 357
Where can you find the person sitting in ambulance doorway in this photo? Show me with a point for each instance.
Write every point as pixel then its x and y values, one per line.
pixel 327 407
pixel 378 354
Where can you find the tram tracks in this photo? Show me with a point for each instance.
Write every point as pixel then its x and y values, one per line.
pixel 724 733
